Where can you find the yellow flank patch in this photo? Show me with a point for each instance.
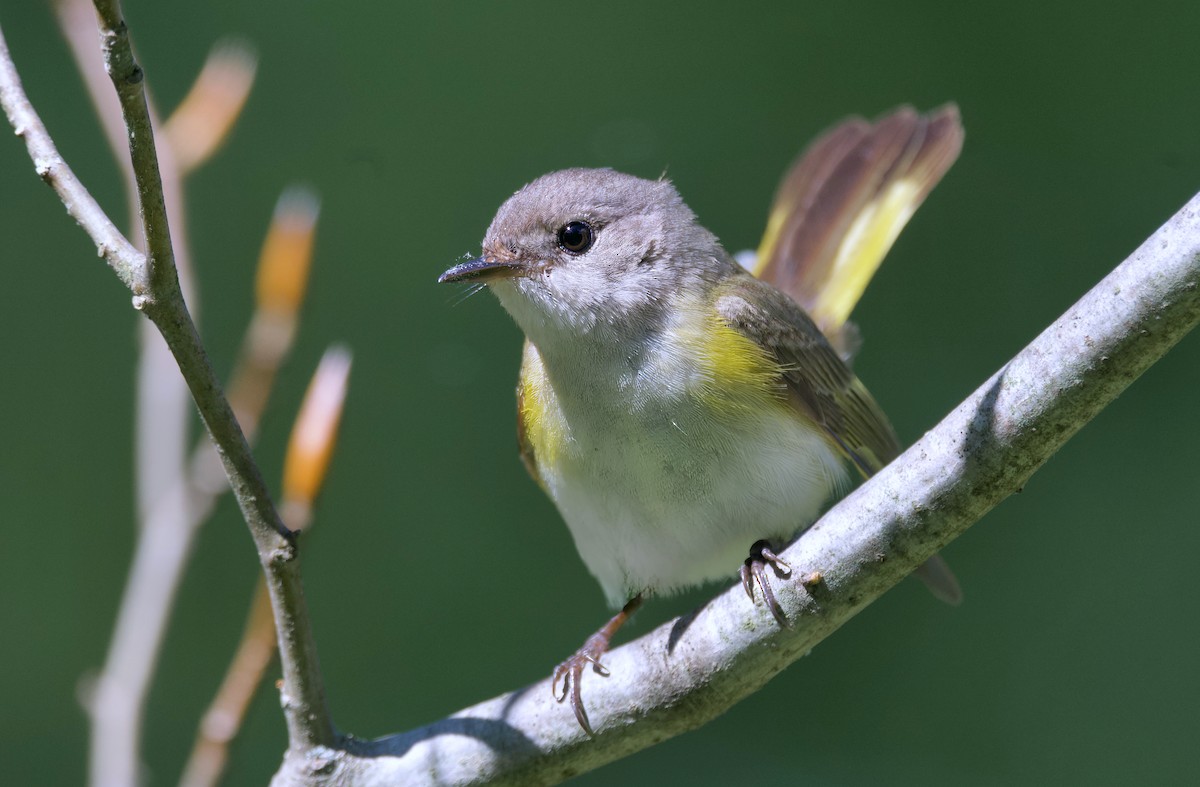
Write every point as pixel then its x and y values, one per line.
pixel 539 429
pixel 740 374
pixel 861 252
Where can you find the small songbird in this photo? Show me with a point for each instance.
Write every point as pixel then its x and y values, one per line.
pixel 681 412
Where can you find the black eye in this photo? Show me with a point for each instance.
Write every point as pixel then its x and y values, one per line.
pixel 576 236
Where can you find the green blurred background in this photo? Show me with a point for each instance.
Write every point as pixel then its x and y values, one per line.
pixel 439 576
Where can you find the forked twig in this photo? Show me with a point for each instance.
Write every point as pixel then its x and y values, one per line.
pixel 153 280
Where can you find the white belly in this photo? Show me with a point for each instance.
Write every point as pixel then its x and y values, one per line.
pixel 660 495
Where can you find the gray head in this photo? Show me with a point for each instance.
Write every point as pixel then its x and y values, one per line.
pixel 585 250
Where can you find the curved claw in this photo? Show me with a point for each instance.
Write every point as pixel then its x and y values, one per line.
pixel 570 672
pixel 768 555
pixel 560 673
pixel 753 572
pixel 747 579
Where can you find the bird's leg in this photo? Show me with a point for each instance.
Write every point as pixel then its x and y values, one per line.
pixel 570 672
pixel 753 572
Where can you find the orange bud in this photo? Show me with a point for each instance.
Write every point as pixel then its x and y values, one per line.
pixel 314 433
pixel 283 264
pixel 203 119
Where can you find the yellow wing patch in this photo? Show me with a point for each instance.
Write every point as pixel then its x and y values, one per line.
pixel 736 375
pixel 746 372
pixel 812 377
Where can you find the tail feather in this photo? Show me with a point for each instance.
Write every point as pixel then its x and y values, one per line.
pixel 940 580
pixel 837 213
pixel 844 201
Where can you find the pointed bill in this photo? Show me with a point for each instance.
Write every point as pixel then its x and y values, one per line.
pixel 482 269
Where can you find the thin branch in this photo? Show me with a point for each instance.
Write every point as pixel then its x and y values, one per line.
pixel 157 295
pixel 163 408
pixel 303 693
pixel 116 700
pixel 129 81
pixel 689 671
pixel 310 448
pixel 127 262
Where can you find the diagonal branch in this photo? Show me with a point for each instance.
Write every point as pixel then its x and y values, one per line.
pixel 127 262
pixel 168 507
pixel 306 464
pixel 129 81
pixel 162 408
pixel 687 672
pixel 117 701
pixel 304 696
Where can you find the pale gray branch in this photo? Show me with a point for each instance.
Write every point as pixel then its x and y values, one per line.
pixel 163 407
pixel 128 263
pixel 688 671
pixel 304 695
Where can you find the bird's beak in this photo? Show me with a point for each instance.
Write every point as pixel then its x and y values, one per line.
pixel 483 269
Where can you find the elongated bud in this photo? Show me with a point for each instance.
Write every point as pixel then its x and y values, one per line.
pixel 284 263
pixel 314 434
pixel 203 119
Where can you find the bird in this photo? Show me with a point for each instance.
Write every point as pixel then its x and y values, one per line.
pixel 687 416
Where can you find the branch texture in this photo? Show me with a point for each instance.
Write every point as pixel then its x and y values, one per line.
pixel 163 407
pixel 691 670
pixel 126 261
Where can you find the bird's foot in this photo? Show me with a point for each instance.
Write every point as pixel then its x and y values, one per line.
pixel 754 572
pixel 570 672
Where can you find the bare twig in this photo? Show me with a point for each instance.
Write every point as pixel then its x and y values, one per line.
pixel 129 81
pixel 314 436
pixel 687 672
pixel 157 294
pixel 117 695
pixel 163 408
pixel 165 541
pixel 127 262
pixel 174 496
pixel 303 693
